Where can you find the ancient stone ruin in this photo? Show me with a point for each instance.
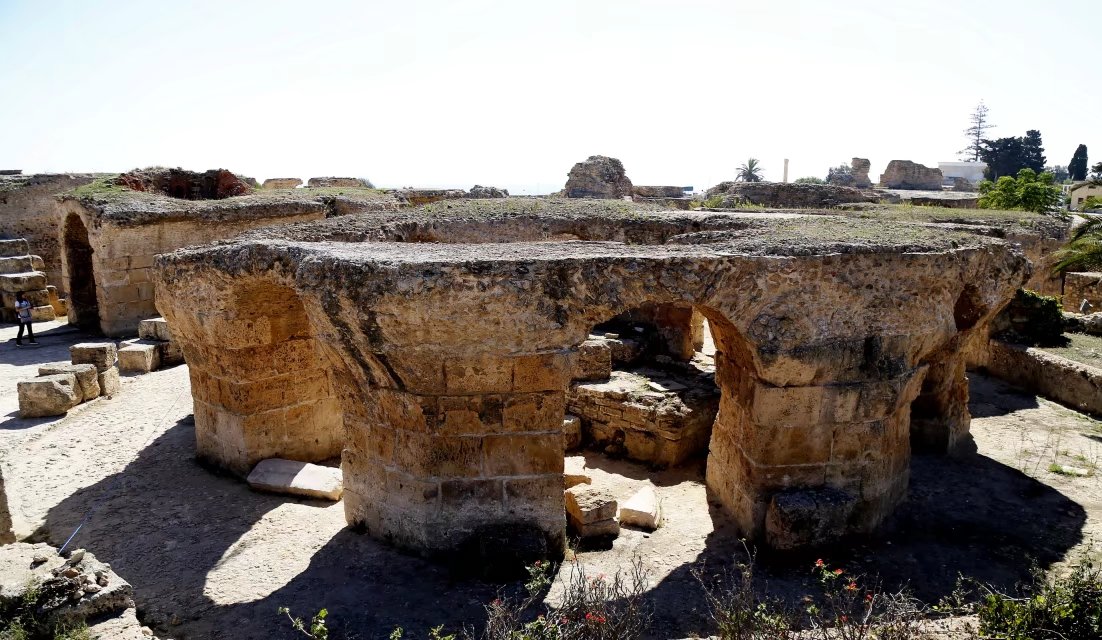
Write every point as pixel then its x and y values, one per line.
pixel 338 182
pixel 861 168
pixel 598 177
pixel 786 194
pixel 109 236
pixel 281 183
pixel 838 341
pixel 23 273
pixel 479 191
pixel 904 174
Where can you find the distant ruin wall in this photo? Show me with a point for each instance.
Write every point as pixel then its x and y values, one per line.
pixel 29 210
pixel 904 174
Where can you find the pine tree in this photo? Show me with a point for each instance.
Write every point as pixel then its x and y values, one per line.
pixel 1033 154
pixel 975 134
pixel 1077 168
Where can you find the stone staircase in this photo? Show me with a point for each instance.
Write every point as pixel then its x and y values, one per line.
pixel 21 272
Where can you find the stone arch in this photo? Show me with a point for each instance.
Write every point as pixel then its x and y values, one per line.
pixel 80 274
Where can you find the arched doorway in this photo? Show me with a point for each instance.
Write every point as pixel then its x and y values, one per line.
pixel 83 305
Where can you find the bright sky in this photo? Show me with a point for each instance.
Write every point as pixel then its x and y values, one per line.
pixel 512 93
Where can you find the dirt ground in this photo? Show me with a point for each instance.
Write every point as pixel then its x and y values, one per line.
pixel 209 558
pixel 1082 348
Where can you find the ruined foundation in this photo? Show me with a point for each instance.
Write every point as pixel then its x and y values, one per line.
pixel 442 367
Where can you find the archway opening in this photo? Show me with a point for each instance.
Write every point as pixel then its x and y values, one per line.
pixel 83 304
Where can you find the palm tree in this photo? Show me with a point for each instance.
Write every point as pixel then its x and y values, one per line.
pixel 1084 250
pixel 750 172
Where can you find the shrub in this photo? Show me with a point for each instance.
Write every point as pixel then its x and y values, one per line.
pixel 1031 319
pixel 810 180
pixel 1068 608
pixel 1028 192
pixel 1091 203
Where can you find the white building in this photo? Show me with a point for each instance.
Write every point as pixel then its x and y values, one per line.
pixel 970 171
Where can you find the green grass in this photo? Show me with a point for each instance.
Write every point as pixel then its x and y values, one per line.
pixel 1082 348
pixel 98 188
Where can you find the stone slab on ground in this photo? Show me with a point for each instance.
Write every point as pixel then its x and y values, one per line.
pixel 43 313
pixel 101 354
pixel 591 511
pixel 109 384
pixel 86 374
pixel 84 587
pixel 139 356
pixel 277 475
pixel 642 509
pixel 48 395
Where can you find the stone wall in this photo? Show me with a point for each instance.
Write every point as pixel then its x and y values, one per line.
pixel 453 429
pixel 861 168
pixel 788 194
pixel 28 209
pixel 904 174
pixel 282 183
pixel 1065 381
pixel 1082 286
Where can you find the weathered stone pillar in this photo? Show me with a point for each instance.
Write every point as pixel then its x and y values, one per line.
pixel 6 533
pixel 797 465
pixel 460 447
pixel 940 419
pixel 260 385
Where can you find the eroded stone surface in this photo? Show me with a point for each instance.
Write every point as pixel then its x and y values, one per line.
pixel 591 511
pixel 598 177
pixel 904 174
pixel 328 335
pixel 787 194
pixel 139 356
pixel 86 374
pixel 109 384
pixel 51 395
pixel 100 354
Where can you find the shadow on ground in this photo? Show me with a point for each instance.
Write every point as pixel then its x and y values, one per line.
pixel 164 523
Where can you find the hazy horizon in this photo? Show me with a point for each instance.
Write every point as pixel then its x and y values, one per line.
pixel 513 94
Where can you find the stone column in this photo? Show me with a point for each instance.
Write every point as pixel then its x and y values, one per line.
pixel 797 465
pixel 460 448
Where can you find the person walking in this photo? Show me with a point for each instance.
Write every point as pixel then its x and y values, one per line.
pixel 23 310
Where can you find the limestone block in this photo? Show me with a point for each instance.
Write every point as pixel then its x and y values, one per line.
pixel 17 264
pixel 36 298
pixel 42 314
pixel 642 509
pixel 37 263
pixel 139 356
pixel 48 396
pixel 297 478
pixel 574 472
pixel 101 354
pixel 109 382
pixel 86 374
pixel 14 248
pixel 802 517
pixel 61 308
pixel 591 511
pixel 170 353
pixel 25 281
pixel 593 360
pixel 572 432
pixel 154 329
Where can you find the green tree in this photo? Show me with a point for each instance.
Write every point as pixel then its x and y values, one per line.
pixel 1096 173
pixel 809 180
pixel 1027 192
pixel 750 172
pixel 1003 156
pixel 842 175
pixel 975 133
pixel 1033 154
pixel 1060 174
pixel 1084 251
pixel 1078 166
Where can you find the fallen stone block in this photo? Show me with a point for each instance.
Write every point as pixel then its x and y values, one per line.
pixel 574 472
pixel 66 591
pixel 101 354
pixel 154 329
pixel 572 431
pixel 16 264
pixel 642 509
pixel 27 281
pixel 37 263
pixel 593 360
pixel 591 511
pixel 139 356
pixel 48 396
pixel 14 247
pixel 36 298
pixel 43 314
pixel 297 478
pixel 801 517
pixel 109 384
pixel 86 374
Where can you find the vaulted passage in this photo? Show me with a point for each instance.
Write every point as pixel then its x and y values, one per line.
pixel 83 306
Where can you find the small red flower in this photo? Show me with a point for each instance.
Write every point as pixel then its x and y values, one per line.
pixel 838 572
pixel 851 586
pixel 843 618
pixel 497 602
pixel 868 597
pixel 819 563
